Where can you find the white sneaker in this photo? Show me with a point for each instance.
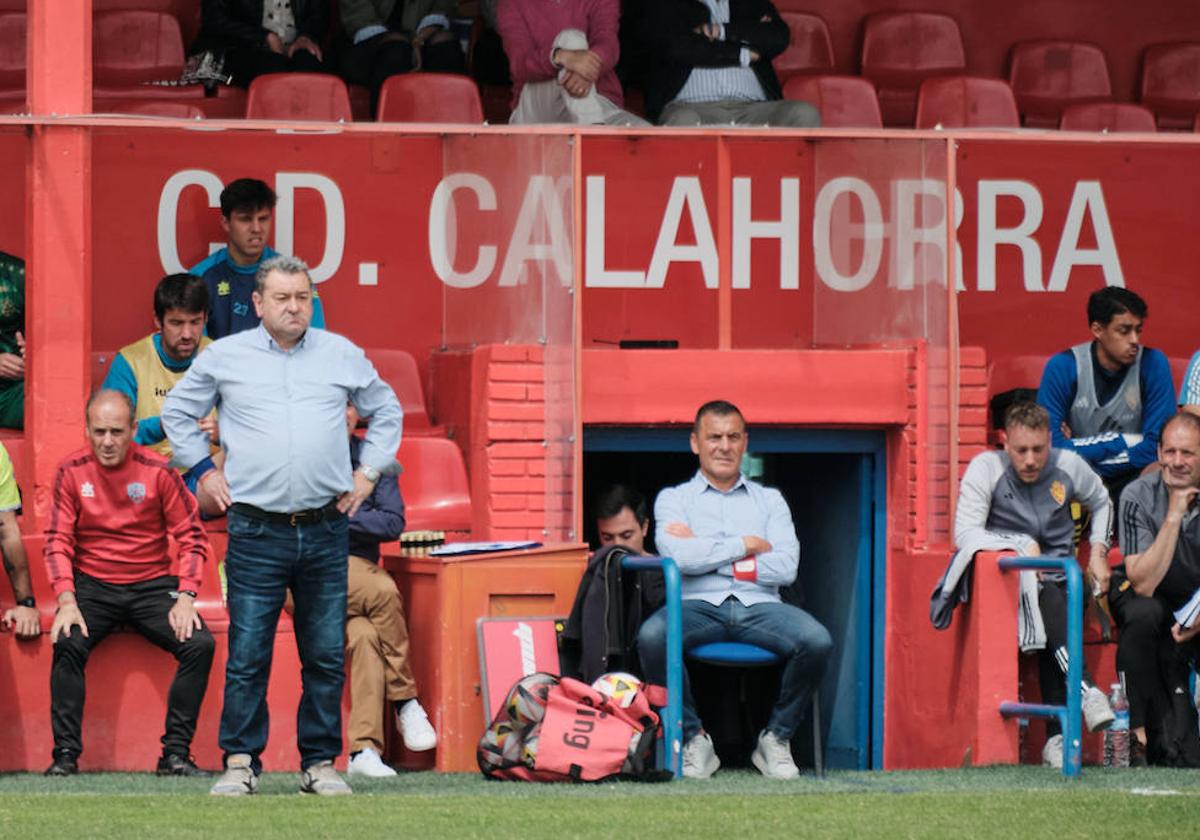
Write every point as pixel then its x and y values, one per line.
pixel 323 780
pixel 414 727
pixel 1052 753
pixel 239 778
pixel 773 757
pixel 1097 713
pixel 367 763
pixel 699 758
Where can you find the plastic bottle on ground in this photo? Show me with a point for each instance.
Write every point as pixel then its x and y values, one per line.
pixel 1116 738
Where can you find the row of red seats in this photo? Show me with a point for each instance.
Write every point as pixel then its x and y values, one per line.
pixel 953 102
pixel 901 50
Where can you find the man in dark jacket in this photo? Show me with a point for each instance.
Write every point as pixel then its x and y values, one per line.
pixel 264 36
pixel 376 633
pixel 710 64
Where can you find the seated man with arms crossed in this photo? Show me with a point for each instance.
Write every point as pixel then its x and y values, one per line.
pixel 376 633
pixel 106 556
pixel 1020 498
pixel 735 545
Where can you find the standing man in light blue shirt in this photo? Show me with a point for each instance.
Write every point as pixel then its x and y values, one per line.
pixel 288 487
pixel 735 545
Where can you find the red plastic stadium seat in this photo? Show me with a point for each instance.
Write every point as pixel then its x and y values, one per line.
pixel 1047 76
pixel 810 49
pixel 966 102
pixel 1196 124
pixel 132 47
pixel 298 96
pixel 12 55
pixel 844 101
pixel 399 369
pixel 430 97
pixel 1107 116
pixel 901 50
pixel 434 485
pixel 1171 84
pixel 186 110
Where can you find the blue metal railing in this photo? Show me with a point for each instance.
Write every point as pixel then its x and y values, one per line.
pixel 1068 715
pixel 672 714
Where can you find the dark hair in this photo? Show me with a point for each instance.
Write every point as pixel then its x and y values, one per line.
pixel 105 394
pixel 1184 417
pixel 616 497
pixel 246 194
pixel 186 292
pixel 1027 414
pixel 721 408
pixel 1107 303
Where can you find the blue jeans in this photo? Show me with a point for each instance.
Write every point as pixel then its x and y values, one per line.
pixel 265 560
pixel 795 636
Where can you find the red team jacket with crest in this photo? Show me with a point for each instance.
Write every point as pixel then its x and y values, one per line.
pixel 112 524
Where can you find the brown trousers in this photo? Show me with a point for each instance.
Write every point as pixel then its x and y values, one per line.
pixel 377 647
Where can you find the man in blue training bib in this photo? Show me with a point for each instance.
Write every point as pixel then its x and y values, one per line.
pixel 247 211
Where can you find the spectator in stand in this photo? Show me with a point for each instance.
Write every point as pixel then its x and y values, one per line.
pixel 1189 389
pixel 376 633
pixel 1020 498
pixel 148 369
pixel 12 342
pixel 563 57
pixel 264 36
pixel 622 518
pixel 114 505
pixel 23 618
pixel 247 212
pixel 710 64
pixel 282 388
pixel 735 545
pixel 1154 593
pixel 1109 397
pixel 389 37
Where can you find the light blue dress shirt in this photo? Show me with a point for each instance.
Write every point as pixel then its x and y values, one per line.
pixel 283 417
pixel 719 520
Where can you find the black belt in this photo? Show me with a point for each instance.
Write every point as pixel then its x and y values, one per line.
pixel 300 517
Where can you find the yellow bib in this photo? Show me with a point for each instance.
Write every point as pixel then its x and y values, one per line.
pixel 154 380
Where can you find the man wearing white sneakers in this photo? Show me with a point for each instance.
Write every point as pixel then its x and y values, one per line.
pixel 1020 498
pixel 376 633
pixel 735 545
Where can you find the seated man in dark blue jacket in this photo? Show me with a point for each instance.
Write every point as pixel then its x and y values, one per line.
pixel 376 633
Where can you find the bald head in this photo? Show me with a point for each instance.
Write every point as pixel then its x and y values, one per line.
pixel 110 426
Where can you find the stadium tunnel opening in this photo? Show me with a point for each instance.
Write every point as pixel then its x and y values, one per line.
pixel 833 483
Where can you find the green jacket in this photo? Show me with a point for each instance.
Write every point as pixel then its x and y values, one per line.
pixel 357 14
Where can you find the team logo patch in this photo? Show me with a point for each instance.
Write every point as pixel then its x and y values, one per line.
pixel 1132 398
pixel 136 491
pixel 87 490
pixel 1058 492
pixel 223 288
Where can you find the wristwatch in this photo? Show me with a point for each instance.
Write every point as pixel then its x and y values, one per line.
pixel 189 592
pixel 26 602
pixel 369 473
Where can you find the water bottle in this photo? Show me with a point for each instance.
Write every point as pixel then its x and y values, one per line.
pixel 1116 737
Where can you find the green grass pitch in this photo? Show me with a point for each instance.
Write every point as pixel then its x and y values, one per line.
pixel 1003 802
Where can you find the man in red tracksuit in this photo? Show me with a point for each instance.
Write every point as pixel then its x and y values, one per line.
pixel 106 556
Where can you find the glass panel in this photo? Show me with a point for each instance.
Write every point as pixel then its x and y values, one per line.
pixel 505 214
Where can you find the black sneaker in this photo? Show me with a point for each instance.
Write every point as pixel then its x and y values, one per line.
pixel 63 765
pixel 1137 752
pixel 179 765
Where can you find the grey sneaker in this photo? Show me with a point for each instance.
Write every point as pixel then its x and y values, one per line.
pixel 239 778
pixel 699 758
pixel 323 780
pixel 1097 713
pixel 773 757
pixel 1052 753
